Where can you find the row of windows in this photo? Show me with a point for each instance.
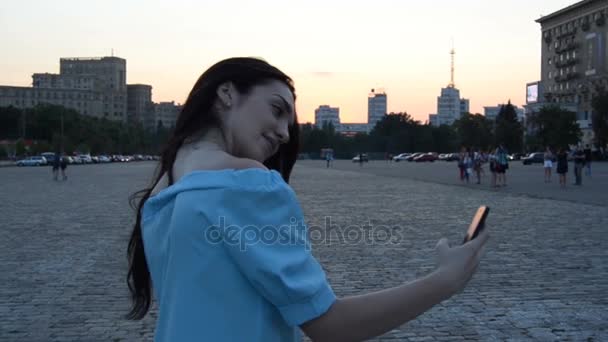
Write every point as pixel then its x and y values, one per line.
pixel 571 99
pixel 48 95
pixel 562 86
pixel 562 57
pixel 22 102
pixel 56 95
pixel 576 23
pixel 562 71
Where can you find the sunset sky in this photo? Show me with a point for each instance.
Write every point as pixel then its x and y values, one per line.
pixel 335 51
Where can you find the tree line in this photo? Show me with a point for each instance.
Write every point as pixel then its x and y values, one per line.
pixel 395 133
pixel 42 126
pixel 398 133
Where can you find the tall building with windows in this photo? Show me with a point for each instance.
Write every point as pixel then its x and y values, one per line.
pixel 140 108
pixel 574 60
pixel 376 107
pixel 325 114
pixel 167 113
pixel 91 86
pixel 450 107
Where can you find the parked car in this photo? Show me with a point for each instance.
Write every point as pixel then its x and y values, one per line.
pixel 86 158
pixel 32 161
pixel 363 157
pixel 104 159
pixel 426 157
pixel 119 158
pixel 412 156
pixel 452 157
pixel 534 157
pixel 400 157
pixel 515 156
pixel 49 156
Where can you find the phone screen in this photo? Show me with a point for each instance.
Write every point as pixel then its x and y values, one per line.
pixel 477 224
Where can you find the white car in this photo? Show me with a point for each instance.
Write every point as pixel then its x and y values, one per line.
pixel 32 161
pixel 86 158
pixel 401 157
pixel 104 159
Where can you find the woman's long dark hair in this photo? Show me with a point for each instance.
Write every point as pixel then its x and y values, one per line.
pixel 196 116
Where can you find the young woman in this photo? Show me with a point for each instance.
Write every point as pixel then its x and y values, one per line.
pixel 219 231
pixel 548 164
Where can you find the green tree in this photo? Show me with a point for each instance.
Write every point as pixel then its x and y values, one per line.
pixel 10 122
pixel 392 133
pixel 553 126
pixel 599 118
pixel 509 131
pixel 474 130
pixel 445 139
pixel 20 148
pixel 96 135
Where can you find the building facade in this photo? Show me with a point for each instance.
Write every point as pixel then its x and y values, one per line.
pixel 91 86
pixel 104 75
pixel 352 129
pixel 450 107
pixel 140 108
pixel 491 112
pixel 574 60
pixel 376 107
pixel 325 114
pixel 83 101
pixel 167 113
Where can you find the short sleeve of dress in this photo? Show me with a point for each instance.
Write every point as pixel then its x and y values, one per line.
pixel 262 228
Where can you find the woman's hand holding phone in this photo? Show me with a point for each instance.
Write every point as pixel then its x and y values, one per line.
pixel 456 265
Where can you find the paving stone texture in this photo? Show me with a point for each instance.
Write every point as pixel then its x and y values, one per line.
pixel 544 276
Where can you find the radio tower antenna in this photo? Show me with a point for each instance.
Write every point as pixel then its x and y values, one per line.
pixel 452 53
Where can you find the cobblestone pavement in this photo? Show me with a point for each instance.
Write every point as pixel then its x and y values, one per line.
pixel 525 180
pixel 543 278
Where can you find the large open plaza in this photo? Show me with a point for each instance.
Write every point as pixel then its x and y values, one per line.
pixel 543 278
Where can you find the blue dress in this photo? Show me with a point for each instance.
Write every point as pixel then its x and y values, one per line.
pixel 230 259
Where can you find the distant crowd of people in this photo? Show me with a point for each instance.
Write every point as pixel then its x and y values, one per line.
pixel 470 162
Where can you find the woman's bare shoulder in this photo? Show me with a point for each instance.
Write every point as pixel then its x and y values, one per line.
pixel 244 163
pixel 210 161
pixel 219 161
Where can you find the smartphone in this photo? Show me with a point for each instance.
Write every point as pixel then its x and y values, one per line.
pixel 477 224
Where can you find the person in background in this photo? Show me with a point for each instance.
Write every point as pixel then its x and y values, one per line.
pixel 562 166
pixel 502 165
pixel 64 166
pixel 468 165
pixel 548 164
pixel 492 162
pixel 588 160
pixel 56 163
pixel 579 163
pixel 328 158
pixel 461 163
pixel 477 165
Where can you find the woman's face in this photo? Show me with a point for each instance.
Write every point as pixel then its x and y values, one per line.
pixel 257 123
